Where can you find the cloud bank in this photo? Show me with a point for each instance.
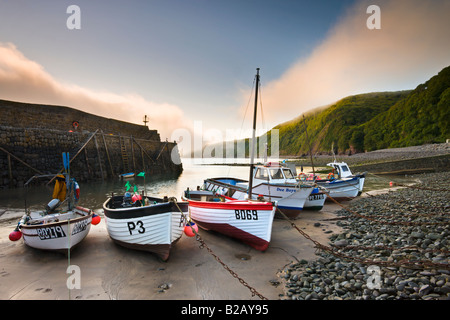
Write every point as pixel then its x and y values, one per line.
pixel 412 45
pixel 24 80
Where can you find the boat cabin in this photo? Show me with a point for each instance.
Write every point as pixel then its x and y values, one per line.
pixel 341 169
pixel 273 172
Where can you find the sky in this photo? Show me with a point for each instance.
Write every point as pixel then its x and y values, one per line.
pixel 189 65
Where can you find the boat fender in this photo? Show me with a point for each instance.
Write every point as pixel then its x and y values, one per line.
pixel 190 229
pixel 136 197
pixel 95 219
pixel 15 235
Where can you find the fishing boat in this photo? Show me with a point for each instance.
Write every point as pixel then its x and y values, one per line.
pixel 316 200
pixel 145 223
pixel 127 175
pixel 248 220
pixel 274 182
pixel 62 224
pixel 341 184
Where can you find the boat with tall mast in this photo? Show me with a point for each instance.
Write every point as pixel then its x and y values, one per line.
pixel 248 220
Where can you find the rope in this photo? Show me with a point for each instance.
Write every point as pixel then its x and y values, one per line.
pixel 68 247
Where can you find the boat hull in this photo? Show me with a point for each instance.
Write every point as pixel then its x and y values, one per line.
pixel 152 228
pixel 343 189
pixel 316 200
pixel 60 235
pixel 248 221
pixel 290 198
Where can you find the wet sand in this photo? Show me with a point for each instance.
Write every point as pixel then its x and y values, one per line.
pixel 110 272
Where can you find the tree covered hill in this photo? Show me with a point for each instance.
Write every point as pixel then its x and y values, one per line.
pixel 422 117
pixel 373 121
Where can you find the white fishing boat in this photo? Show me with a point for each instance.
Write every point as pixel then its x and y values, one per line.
pixel 145 223
pixel 273 182
pixel 56 231
pixel 316 199
pixel 62 224
pixel 341 183
pixel 247 220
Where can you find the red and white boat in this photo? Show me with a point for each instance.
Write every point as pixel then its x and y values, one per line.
pixel 247 220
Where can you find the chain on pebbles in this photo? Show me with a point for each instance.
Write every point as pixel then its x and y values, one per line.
pixel 401 252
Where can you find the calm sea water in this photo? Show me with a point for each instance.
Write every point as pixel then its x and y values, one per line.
pixel 93 194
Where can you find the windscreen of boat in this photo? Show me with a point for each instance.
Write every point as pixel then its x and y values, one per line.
pixel 288 174
pixel 261 173
pixel 276 173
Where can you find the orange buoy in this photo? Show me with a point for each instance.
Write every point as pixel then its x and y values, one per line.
pixel 95 219
pixel 188 229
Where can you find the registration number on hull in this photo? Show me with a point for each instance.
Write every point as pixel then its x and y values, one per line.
pixel 246 214
pixel 50 233
pixel 315 197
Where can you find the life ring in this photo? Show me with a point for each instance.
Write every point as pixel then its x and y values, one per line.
pixel 77 190
pixel 302 176
pixel 75 125
pixel 330 175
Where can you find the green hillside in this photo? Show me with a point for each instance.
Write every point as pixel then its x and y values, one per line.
pixel 339 125
pixel 422 117
pixel 373 121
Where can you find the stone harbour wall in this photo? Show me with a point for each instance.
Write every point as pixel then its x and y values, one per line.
pixel 26 115
pixel 33 138
pixel 94 155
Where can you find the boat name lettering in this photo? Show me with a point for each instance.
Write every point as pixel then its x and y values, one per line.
pixel 50 232
pixel 132 226
pixel 246 214
pixel 80 226
pixel 286 190
pixel 316 196
pixel 182 221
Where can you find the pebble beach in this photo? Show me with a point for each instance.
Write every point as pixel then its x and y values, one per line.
pixel 390 244
pixel 394 246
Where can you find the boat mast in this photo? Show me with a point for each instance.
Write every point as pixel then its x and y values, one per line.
pixel 250 180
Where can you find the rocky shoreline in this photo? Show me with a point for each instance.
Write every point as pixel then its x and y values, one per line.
pixel 384 155
pixel 394 246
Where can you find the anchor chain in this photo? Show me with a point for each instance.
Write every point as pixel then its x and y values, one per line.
pixel 401 263
pixel 224 265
